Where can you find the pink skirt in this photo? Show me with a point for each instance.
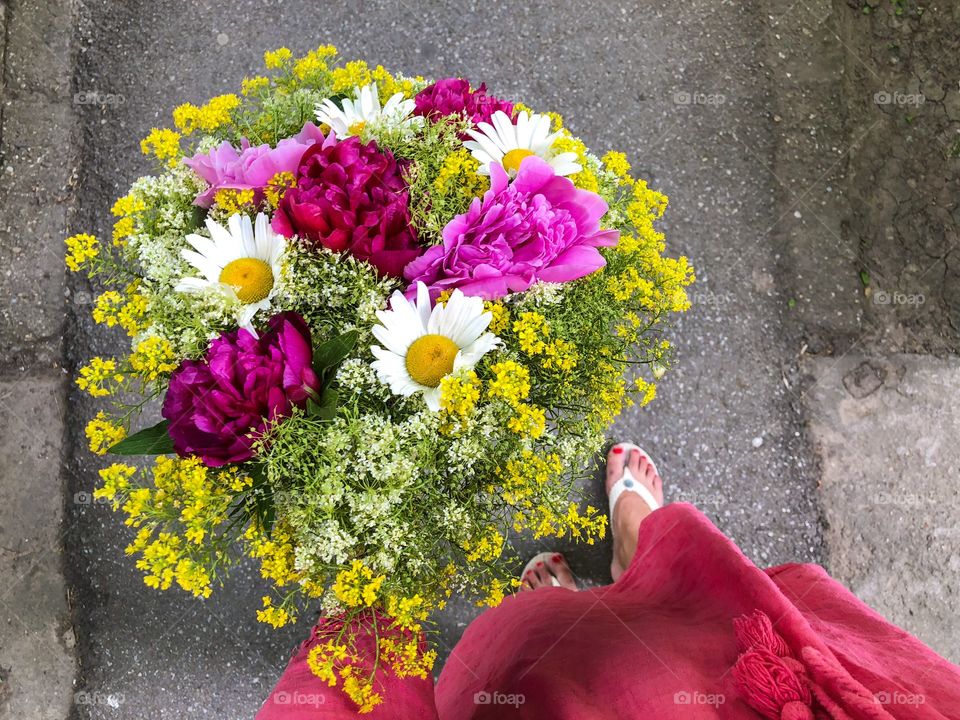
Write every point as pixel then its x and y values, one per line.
pixel 691 630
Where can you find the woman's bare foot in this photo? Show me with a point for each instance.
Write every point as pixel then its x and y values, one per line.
pixel 541 574
pixel 631 509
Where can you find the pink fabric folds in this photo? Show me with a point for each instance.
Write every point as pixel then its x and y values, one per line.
pixel 692 630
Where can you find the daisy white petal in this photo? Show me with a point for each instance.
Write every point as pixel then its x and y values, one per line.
pixel 444 340
pixel 241 261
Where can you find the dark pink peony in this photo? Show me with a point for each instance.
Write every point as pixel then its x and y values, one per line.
pixel 218 406
pixel 351 197
pixel 454 95
pixel 537 228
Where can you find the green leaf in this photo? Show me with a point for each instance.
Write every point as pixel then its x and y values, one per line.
pixel 153 440
pixel 864 278
pixel 331 353
pixel 326 407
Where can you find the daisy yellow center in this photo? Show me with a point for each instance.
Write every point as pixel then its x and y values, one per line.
pixel 512 160
pixel 252 278
pixel 357 127
pixel 430 359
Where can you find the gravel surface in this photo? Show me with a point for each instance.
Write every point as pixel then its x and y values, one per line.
pixel 679 87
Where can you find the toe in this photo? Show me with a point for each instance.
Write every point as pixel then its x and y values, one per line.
pixel 635 462
pixel 616 460
pixel 543 574
pixel 558 566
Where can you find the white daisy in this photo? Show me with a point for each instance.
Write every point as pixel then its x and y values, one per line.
pixel 239 261
pixel 507 142
pixel 422 346
pixel 351 115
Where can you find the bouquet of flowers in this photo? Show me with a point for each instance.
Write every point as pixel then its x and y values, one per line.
pixel 389 321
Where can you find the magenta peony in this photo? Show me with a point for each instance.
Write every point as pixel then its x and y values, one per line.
pixel 539 227
pixel 251 168
pixel 218 406
pixel 351 197
pixel 453 95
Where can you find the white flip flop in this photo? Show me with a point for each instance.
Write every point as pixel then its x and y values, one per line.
pixel 628 483
pixel 543 557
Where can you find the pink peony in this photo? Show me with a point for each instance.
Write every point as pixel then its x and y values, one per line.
pixel 539 227
pixel 251 168
pixel 218 406
pixel 351 197
pixel 453 95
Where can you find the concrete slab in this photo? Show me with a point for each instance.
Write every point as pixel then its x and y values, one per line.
pixel 886 430
pixel 36 640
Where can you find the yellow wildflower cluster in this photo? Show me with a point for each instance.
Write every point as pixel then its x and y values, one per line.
pixel 359 688
pixel 163 143
pixel 327 659
pixel 523 477
pixel 358 586
pixel 500 321
pixel 533 335
pixel 277 186
pixel 314 63
pixel 115 479
pixel 215 113
pixel 253 85
pixel 153 357
pixel 458 175
pixel 274 615
pixel 102 433
pixel 487 548
pixel 530 421
pixel 407 612
pixel 184 492
pixel 610 393
pixel 511 382
pixel 667 293
pixel 459 394
pixel 275 551
pixel 647 390
pixel 616 163
pixel 276 59
pixel 405 655
pixel 81 248
pixel 126 208
pixel 495 591
pixel 230 201
pixel 127 310
pixel 351 75
pixel 586 527
pixel 99 377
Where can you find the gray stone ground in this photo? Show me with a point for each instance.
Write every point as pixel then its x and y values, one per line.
pixel 748 115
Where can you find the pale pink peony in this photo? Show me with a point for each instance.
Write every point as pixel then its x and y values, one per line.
pixel 251 167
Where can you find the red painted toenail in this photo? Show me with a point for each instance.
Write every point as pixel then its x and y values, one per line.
pixel 557 558
pixel 539 564
pixel 617 450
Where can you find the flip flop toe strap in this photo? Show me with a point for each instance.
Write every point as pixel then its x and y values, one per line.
pixel 628 483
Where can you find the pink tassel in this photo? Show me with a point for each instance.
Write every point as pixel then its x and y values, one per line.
pixel 756 631
pixel 771 687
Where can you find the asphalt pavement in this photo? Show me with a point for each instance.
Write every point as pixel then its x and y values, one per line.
pixel 693 92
